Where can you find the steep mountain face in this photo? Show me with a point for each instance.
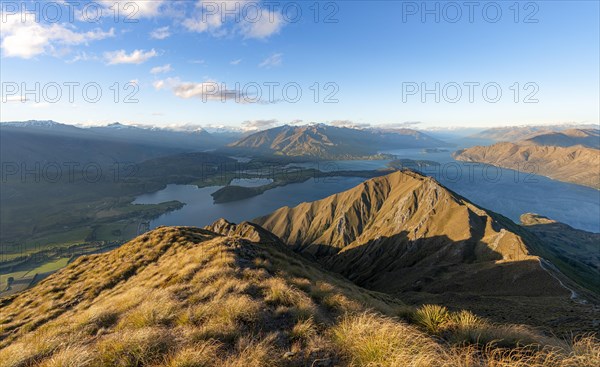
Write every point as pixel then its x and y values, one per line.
pixel 576 164
pixel 330 142
pixel 406 232
pixel 587 137
pixel 406 235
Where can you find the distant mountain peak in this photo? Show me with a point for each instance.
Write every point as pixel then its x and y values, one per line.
pixel 118 125
pixel 330 142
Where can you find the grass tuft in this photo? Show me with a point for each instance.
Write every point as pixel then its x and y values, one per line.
pixel 431 317
pixel 134 348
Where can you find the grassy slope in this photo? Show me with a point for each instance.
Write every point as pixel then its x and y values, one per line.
pixel 190 297
pixel 405 234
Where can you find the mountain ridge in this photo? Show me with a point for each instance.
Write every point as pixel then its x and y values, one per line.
pixel 519 133
pixel 589 138
pixel 174 139
pixel 406 235
pixel 330 142
pixel 569 164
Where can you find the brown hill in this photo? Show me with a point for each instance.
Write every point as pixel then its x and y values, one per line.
pixel 520 133
pixel 576 164
pixel 193 297
pixel 587 137
pixel 575 252
pixel 330 142
pixel 405 234
pixel 187 297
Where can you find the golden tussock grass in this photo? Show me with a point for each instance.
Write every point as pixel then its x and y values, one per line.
pixel 132 348
pixel 202 354
pixel 198 299
pixel 372 340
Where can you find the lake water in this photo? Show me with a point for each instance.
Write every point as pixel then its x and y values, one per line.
pixel 200 209
pixel 504 191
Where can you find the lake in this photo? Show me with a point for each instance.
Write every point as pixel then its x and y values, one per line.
pixel 504 191
pixel 200 209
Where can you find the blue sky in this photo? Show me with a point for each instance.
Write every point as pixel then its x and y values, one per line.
pixel 365 58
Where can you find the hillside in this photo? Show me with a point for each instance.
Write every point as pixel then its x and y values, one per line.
pixel 576 164
pixel 193 297
pixel 406 235
pixel 178 295
pixel 519 133
pixel 575 252
pixel 329 142
pixel 587 137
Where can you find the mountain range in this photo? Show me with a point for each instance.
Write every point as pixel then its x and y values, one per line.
pixel 330 142
pixel 570 155
pixel 63 144
pixel 50 141
pixel 518 133
pixel 567 138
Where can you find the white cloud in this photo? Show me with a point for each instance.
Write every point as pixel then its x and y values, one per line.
pixel 207 18
pixel 272 61
pixel 400 125
pixel 160 33
pixel 266 25
pixel 209 90
pixel 136 57
pixel 135 9
pixel 158 84
pixel 244 17
pixel 161 69
pixel 27 38
pixel 349 124
pixel 236 62
pixel 254 125
pixel 83 56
